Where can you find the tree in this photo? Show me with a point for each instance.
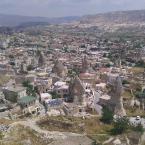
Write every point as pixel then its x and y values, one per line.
pixel 107 116
pixel 138 128
pixel 55 95
pixel 140 63
pixel 94 142
pixel 29 67
pixel 108 65
pixel 30 89
pixel 125 82
pixel 66 49
pixel 120 126
pixel 73 72
pixel 11 56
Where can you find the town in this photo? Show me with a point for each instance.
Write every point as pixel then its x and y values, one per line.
pixel 65 77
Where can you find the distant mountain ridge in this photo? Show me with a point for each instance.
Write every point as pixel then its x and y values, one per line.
pixel 116 17
pixel 113 21
pixel 110 19
pixel 16 20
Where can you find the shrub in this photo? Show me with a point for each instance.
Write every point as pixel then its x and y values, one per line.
pixel 29 68
pixel 125 82
pixel 1 135
pixel 138 128
pixel 140 63
pixel 55 95
pixel 121 125
pixel 29 88
pixel 107 116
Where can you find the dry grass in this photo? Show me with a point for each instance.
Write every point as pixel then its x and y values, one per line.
pixel 62 124
pixel 136 70
pixel 21 135
pixel 5 121
pixel 4 79
pixel 90 126
pixel 94 126
pixel 127 94
pixel 135 112
pixel 100 138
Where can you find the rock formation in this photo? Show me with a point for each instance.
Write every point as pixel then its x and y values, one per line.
pixel 59 69
pixel 23 68
pixel 116 101
pixel 41 60
pixel 85 65
pixel 77 90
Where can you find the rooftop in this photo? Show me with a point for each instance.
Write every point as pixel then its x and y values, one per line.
pixel 15 89
pixel 26 100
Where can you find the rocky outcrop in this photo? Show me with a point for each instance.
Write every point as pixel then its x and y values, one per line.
pixel 132 138
pixel 77 90
pixel 59 69
pixel 41 60
pixel 116 101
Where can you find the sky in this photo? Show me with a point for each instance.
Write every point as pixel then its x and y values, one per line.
pixel 61 8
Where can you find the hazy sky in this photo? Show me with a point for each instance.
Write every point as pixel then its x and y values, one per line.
pixel 58 8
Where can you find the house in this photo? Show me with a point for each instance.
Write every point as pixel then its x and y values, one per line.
pixel 14 93
pixel 28 105
pixel 101 86
pixel 43 84
pixel 54 104
pixel 61 88
pixel 19 79
pixel 71 109
pixel 3 103
pixel 88 78
pixel 103 100
pixel 45 96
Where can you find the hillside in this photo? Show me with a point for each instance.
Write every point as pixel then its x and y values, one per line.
pixel 15 20
pixel 109 20
pixel 114 20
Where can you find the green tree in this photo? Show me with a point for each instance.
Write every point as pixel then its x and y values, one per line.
pixel 108 65
pixel 29 88
pixel 138 128
pixel 140 63
pixel 1 135
pixel 121 125
pixel 125 82
pixel 94 142
pixel 66 49
pixel 55 95
pixel 29 67
pixel 107 116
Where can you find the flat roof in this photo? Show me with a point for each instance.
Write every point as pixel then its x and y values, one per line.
pixel 26 100
pixel 105 97
pixel 15 89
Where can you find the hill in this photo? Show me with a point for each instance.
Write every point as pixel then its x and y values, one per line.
pixel 109 21
pixel 16 20
pixel 114 20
